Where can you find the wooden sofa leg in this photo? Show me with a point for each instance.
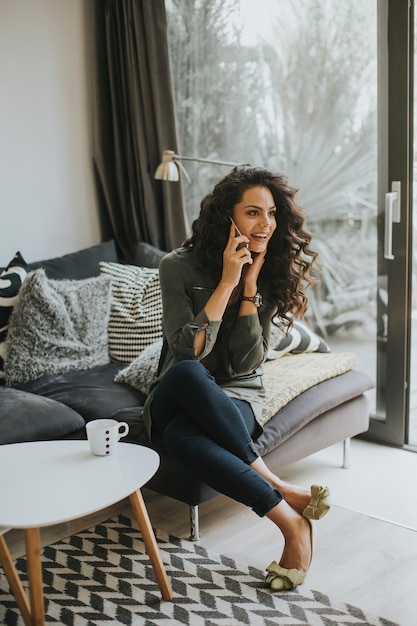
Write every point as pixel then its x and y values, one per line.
pixel 194 523
pixel 346 454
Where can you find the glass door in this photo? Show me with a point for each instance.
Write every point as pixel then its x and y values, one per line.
pixel 412 407
pixel 389 421
pixel 305 88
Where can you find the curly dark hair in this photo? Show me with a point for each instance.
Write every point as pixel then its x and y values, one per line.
pixel 289 261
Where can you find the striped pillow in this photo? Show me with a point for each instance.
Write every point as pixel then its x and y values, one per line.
pixel 299 339
pixel 11 279
pixel 136 310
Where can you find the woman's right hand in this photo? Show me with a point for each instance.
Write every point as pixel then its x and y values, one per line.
pixel 233 259
pixel 233 262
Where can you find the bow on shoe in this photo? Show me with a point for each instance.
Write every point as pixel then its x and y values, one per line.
pixel 319 503
pixel 281 578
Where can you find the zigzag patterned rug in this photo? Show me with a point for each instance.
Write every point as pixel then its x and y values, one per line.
pixel 103 576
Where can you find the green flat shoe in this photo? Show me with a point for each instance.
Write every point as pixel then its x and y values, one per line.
pixel 283 579
pixel 319 503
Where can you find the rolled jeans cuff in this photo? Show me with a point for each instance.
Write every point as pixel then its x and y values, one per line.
pixel 267 502
pixel 249 453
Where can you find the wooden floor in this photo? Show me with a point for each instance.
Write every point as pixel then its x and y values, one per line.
pixel 363 561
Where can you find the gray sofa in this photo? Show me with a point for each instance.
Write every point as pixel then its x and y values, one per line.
pixel 58 405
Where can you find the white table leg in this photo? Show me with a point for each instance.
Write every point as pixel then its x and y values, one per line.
pixel 145 526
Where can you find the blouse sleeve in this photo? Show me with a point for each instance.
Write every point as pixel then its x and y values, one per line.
pixel 249 340
pixel 180 319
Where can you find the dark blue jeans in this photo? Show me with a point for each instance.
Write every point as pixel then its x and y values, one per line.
pixel 210 433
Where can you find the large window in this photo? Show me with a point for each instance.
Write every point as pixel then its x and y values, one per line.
pixel 318 90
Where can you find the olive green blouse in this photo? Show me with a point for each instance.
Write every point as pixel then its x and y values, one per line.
pixel 235 347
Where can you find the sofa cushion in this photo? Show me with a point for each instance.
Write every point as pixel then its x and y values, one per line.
pixel 136 309
pixel 26 417
pixel 307 406
pixel 81 264
pixel 92 393
pixel 146 255
pixel 57 326
pixel 11 279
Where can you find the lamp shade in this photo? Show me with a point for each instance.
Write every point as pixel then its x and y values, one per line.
pixel 168 169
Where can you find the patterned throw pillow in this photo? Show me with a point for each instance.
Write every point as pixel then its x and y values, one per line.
pixel 136 311
pixel 11 279
pixel 300 339
pixel 57 326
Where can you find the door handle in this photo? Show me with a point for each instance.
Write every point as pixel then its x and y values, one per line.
pixel 392 215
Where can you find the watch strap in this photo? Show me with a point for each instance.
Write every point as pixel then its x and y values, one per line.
pixel 256 299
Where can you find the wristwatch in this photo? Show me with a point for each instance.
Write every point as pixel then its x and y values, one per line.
pixel 256 299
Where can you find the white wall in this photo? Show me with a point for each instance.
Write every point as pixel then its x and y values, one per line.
pixel 47 194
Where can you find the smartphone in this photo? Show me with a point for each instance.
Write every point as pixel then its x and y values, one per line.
pixel 243 244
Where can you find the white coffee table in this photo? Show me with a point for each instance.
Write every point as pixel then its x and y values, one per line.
pixel 46 483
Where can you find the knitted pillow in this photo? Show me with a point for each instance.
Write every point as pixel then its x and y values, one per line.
pixel 136 309
pixel 57 326
pixel 11 279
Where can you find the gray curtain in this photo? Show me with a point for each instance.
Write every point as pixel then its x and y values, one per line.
pixel 134 121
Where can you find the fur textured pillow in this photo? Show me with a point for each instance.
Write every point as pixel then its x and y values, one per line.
pixel 57 326
pixel 136 309
pixel 141 373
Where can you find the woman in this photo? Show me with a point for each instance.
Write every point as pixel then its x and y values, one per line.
pixel 247 260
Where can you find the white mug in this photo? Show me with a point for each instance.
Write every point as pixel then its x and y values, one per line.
pixel 104 434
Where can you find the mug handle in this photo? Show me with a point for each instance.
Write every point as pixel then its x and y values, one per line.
pixel 123 429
